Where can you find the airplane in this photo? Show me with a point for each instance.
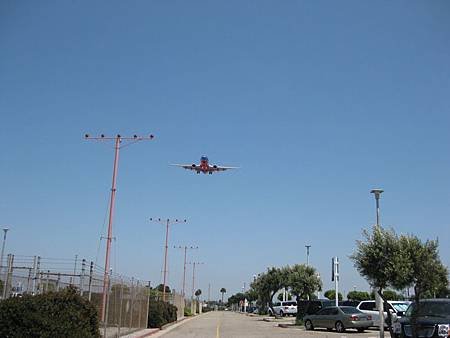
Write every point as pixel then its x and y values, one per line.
pixel 204 166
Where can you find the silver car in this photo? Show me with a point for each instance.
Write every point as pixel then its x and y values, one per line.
pixel 340 318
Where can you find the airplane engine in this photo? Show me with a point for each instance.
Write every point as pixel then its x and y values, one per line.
pixel 193 166
pixel 214 166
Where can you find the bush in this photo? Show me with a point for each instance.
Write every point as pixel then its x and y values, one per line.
pixel 187 311
pixel 54 314
pixel 160 313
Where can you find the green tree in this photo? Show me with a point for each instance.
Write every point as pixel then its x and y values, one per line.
pixel 358 295
pixel 304 282
pixel 386 259
pixel 267 284
pixel 331 294
pixel 380 259
pixel 424 271
pixel 198 293
pixel 223 291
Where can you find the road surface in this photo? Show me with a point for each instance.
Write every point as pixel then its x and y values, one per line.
pixel 223 324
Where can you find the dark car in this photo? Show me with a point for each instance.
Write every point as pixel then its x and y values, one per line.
pixel 310 307
pixel 433 319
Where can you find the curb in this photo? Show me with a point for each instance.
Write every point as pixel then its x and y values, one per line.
pixel 169 327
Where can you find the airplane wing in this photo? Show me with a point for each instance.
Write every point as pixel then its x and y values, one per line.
pixel 220 168
pixel 187 166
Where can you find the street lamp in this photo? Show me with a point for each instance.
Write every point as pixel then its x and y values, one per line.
pixel 307 254
pixel 377 193
pixel 5 230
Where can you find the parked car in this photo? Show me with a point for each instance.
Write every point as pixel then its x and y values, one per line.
pixel 310 307
pixel 340 318
pixel 433 319
pixel 397 308
pixel 285 308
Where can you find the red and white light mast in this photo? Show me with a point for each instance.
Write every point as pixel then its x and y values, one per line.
pixel 118 139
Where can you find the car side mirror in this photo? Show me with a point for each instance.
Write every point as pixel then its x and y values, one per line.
pixel 400 313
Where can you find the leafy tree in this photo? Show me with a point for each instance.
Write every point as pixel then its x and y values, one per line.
pixel 331 294
pixel 389 294
pixel 381 260
pixel 267 284
pixel 303 281
pixel 358 295
pixel 386 259
pixel 424 271
pixel 198 293
pixel 222 291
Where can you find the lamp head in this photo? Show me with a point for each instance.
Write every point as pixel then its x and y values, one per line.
pixel 376 192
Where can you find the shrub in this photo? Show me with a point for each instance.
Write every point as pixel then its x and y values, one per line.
pixel 160 313
pixel 187 311
pixel 54 314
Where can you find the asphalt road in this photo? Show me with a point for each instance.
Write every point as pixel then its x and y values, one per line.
pixel 233 325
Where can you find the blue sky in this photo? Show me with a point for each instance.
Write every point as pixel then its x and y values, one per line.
pixel 317 101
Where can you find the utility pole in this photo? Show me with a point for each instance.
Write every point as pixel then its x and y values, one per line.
pixel 184 264
pixel 5 230
pixel 209 293
pixel 118 140
pixel 377 193
pixel 307 254
pixel 167 222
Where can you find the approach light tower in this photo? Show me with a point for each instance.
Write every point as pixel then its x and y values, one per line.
pixel 167 222
pixel 185 248
pixel 119 142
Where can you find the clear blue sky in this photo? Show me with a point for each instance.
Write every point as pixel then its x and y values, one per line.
pixel 317 101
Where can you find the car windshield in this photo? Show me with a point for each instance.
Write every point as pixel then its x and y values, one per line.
pixel 400 306
pixel 349 309
pixel 430 309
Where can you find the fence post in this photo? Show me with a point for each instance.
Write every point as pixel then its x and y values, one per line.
pixel 138 293
pixel 91 271
pixel 46 284
pixel 10 260
pixel 131 306
pixel 121 305
pixel 83 270
pixel 29 280
pixel 58 281
pixel 148 305
pixel 37 266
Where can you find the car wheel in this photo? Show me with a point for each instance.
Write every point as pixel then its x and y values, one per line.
pixel 281 314
pixel 339 327
pixel 309 325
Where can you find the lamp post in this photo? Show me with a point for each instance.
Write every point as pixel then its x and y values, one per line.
pixel 377 193
pixel 5 230
pixel 307 254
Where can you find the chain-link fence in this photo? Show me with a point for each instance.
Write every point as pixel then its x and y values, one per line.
pixel 127 298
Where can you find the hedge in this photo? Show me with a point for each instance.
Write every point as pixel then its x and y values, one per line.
pixel 54 314
pixel 160 313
